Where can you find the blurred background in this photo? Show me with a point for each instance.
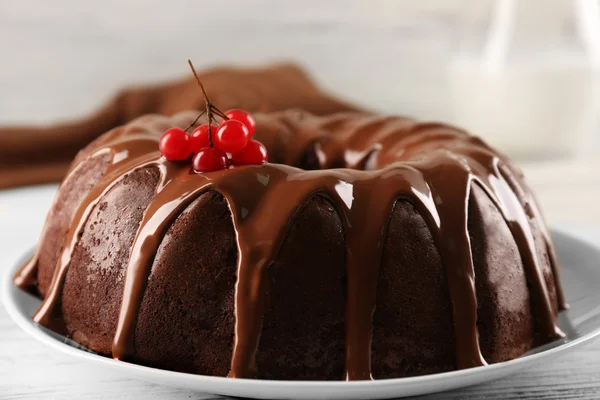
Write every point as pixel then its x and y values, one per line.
pixel 521 74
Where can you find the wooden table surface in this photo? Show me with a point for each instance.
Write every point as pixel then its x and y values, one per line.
pixel 61 59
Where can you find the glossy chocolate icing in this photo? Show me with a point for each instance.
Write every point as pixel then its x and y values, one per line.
pixel 30 155
pixel 365 164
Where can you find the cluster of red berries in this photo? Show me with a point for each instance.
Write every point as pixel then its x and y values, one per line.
pixel 232 136
pixel 215 147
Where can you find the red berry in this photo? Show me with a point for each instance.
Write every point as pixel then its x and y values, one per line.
pixel 210 159
pixel 253 153
pixel 199 137
pixel 174 144
pixel 244 117
pixel 231 136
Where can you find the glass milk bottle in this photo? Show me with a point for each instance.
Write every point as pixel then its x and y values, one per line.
pixel 525 75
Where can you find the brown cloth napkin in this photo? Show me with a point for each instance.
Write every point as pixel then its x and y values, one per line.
pixel 30 155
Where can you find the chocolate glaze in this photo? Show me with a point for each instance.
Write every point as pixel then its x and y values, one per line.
pixel 271 88
pixel 433 166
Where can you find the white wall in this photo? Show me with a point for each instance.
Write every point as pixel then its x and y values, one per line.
pixel 61 58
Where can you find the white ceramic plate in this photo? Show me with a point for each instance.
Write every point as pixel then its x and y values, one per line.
pixel 581 279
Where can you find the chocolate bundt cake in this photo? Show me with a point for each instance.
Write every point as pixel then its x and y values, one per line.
pixel 370 247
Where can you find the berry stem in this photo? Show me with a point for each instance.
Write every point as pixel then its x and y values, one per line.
pixel 209 106
pixel 196 120
pixel 210 138
pixel 206 99
pixel 220 113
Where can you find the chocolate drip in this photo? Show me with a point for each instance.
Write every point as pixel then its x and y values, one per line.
pixel 560 294
pixel 516 181
pixel 26 277
pixel 515 216
pixel 175 191
pixel 451 185
pixel 433 166
pixel 531 205
pixel 49 313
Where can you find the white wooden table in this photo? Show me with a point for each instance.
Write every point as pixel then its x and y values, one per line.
pixel 61 59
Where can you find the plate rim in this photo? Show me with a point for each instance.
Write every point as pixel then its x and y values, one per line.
pixel 166 376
